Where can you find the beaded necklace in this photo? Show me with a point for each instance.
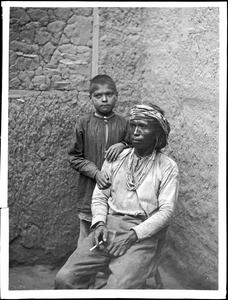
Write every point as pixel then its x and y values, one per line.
pixel 135 177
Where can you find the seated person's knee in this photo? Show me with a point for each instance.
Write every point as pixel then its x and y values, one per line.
pixel 61 279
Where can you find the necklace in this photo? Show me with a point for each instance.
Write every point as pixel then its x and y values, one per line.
pixel 143 165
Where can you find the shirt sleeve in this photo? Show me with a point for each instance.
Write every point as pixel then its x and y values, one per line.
pixel 76 155
pixel 99 206
pixel 168 193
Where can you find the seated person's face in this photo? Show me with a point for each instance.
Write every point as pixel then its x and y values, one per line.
pixel 143 133
pixel 104 99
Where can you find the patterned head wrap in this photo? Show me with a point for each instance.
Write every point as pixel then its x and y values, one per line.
pixel 148 112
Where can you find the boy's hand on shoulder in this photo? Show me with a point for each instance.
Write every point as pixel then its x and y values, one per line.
pixel 102 180
pixel 113 151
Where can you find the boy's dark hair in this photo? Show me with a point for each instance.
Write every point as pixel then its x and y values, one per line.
pixel 101 79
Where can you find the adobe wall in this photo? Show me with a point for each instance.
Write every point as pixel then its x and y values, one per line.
pixel 168 56
pixel 182 65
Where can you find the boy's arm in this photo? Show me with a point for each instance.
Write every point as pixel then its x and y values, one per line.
pixel 99 205
pixel 113 151
pixel 76 155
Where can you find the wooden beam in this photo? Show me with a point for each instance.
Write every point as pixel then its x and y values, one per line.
pixel 95 50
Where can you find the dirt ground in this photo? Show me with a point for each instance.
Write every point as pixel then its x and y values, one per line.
pixel 41 277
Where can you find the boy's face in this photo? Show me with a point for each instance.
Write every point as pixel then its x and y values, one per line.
pixel 104 99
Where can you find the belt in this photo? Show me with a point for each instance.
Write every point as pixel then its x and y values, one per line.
pixel 140 217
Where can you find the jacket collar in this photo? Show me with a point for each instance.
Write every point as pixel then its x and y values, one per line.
pixel 104 117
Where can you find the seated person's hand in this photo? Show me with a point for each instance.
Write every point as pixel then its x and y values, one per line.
pixel 120 244
pixel 113 151
pixel 102 180
pixel 100 235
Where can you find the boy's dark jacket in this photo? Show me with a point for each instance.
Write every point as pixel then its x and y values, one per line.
pixel 88 150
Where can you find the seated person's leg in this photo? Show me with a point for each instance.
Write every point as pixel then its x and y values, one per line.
pixel 81 266
pixel 131 270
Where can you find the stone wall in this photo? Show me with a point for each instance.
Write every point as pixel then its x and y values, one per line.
pixel 50 48
pixel 168 56
pixel 50 67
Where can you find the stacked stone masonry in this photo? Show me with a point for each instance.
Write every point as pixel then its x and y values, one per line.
pixel 50 48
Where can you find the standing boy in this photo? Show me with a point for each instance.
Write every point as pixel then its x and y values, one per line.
pixel 98 136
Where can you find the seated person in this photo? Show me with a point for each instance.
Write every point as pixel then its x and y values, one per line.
pixel 128 216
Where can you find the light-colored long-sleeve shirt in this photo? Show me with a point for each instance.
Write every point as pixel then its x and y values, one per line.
pixel 154 199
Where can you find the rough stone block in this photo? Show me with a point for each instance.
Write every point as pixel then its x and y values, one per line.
pixel 28 34
pixel 47 51
pixel 50 72
pixel 83 11
pixel 14 83
pixel 83 49
pixel 19 15
pixel 61 85
pixel 22 47
pixel 12 57
pixel 30 74
pixel 56 27
pixel 68 48
pixel 63 13
pixel 42 37
pixel 80 32
pixel 38 15
pixel 38 80
pixel 44 87
pixel 56 78
pixel 63 40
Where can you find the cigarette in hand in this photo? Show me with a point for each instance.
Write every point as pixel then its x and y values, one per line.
pixel 94 247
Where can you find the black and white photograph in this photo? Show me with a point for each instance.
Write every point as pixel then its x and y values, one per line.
pixel 113 150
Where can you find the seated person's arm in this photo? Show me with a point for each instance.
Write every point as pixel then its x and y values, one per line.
pixel 168 193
